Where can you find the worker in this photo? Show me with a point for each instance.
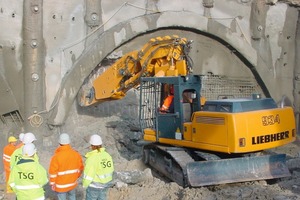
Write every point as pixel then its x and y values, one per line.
pixel 66 166
pixel 168 104
pixel 17 155
pixel 7 152
pixel 27 176
pixel 98 170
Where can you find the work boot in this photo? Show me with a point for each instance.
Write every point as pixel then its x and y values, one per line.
pixel 8 189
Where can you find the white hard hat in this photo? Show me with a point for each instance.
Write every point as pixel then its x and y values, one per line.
pixel 29 149
pixel 95 140
pixel 28 138
pixel 21 137
pixel 64 138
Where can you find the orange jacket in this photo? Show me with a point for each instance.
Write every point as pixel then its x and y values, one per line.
pixel 167 102
pixel 65 168
pixel 7 152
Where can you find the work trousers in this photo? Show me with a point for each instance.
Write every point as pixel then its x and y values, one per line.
pixel 70 194
pixel 96 193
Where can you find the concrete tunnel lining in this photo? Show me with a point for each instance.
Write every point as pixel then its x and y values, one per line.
pixel 115 37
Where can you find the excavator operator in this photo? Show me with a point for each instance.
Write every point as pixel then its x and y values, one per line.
pixel 168 104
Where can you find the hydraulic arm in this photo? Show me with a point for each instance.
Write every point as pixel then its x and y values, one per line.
pixel 161 56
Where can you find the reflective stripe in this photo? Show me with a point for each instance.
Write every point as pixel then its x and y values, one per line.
pixel 6 157
pixel 52 175
pixel 105 176
pixel 65 185
pixel 40 198
pixel 95 186
pixel 27 187
pixel 52 183
pixel 88 178
pixel 73 171
pixel 7 160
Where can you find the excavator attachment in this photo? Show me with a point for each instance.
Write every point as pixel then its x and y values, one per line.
pixel 203 173
pixel 161 56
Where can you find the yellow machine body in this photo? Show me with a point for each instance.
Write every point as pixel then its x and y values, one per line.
pixel 240 132
pixel 235 132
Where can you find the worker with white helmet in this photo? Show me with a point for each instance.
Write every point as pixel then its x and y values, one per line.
pixel 17 155
pixel 28 177
pixel 65 168
pixel 29 138
pixel 98 170
pixel 7 152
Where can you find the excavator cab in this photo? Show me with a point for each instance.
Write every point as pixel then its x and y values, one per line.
pixel 185 102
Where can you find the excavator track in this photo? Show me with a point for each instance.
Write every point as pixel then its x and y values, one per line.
pixel 169 161
pixel 178 165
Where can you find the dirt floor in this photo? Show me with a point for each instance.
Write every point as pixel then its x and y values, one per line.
pixel 137 181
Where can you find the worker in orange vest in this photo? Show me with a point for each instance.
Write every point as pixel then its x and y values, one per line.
pixel 7 152
pixel 168 104
pixel 66 167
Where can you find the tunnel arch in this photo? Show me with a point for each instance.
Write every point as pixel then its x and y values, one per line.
pixel 127 31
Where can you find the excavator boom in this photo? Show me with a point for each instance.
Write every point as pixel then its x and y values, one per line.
pixel 161 56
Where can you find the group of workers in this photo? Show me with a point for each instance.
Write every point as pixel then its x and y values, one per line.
pixel 26 177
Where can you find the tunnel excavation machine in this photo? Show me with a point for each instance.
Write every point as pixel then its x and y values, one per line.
pixel 198 142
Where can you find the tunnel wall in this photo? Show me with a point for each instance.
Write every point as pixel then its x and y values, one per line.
pixel 78 35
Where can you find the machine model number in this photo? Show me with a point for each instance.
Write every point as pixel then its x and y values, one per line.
pixel 270 120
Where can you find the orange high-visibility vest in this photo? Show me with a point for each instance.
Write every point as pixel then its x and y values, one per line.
pixel 167 102
pixel 7 152
pixel 65 168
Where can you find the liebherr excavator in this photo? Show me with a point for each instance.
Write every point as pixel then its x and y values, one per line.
pixel 197 143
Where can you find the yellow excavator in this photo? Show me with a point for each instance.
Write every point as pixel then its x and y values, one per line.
pixel 196 142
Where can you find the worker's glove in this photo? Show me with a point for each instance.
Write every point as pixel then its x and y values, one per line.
pixel 53 187
pixel 162 110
